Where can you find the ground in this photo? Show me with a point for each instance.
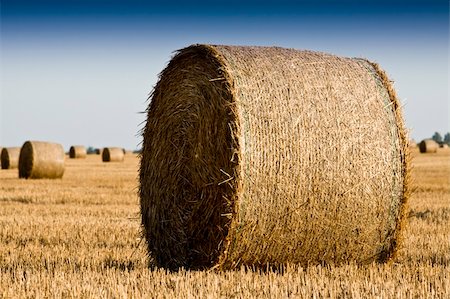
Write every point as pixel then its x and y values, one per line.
pixel 80 237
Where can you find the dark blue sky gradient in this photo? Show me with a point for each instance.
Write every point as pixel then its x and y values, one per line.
pixel 108 20
pixel 108 54
pixel 98 15
pixel 231 7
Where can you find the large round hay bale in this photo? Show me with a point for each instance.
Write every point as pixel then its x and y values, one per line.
pixel 112 154
pixel 77 152
pixel 428 146
pixel 258 156
pixel 41 160
pixel 10 157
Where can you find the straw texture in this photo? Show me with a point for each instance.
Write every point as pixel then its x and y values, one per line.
pixel 258 156
pixel 77 152
pixel 428 146
pixel 41 160
pixel 10 157
pixel 112 154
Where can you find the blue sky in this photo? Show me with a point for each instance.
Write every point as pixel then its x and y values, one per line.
pixel 79 72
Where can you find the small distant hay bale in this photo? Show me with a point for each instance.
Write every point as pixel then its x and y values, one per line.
pixel 41 160
pixel 258 156
pixel 428 146
pixel 98 151
pixel 112 154
pixel 443 145
pixel 77 152
pixel 412 143
pixel 10 157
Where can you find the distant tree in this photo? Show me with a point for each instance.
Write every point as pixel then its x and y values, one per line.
pixel 437 137
pixel 90 150
pixel 447 138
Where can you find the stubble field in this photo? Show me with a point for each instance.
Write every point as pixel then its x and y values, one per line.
pixel 79 237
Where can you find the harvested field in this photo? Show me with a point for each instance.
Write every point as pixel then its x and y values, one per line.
pixel 80 237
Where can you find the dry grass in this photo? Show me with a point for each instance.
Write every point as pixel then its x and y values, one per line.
pixel 80 237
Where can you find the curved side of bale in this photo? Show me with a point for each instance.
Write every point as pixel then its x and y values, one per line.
pixel 41 160
pixel 77 152
pixel 257 156
pixel 395 238
pixel 10 157
pixel 112 154
pixel 428 146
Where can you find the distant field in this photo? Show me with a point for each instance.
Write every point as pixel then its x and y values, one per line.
pixel 80 237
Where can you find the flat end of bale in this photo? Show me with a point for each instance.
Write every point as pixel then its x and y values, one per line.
pixel 4 158
pixel 189 161
pixel 26 160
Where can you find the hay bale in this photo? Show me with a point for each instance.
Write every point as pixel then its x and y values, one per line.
pixel 412 143
pixel 77 152
pixel 98 151
pixel 112 154
pixel 10 157
pixel 41 160
pixel 428 146
pixel 258 156
pixel 444 146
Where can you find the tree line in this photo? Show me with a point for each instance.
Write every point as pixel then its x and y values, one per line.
pixel 438 138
